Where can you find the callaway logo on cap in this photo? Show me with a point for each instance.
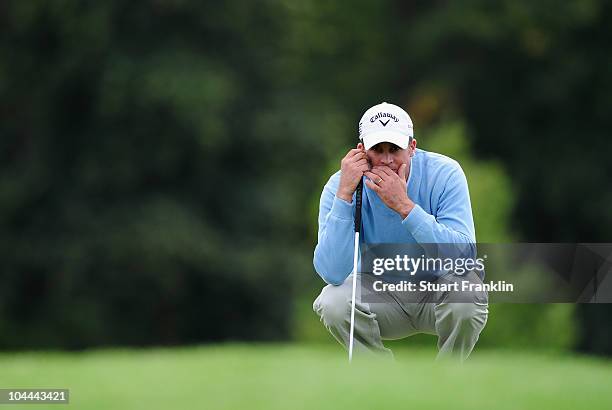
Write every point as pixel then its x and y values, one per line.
pixel 385 123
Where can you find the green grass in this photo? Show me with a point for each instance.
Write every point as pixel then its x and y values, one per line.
pixel 309 377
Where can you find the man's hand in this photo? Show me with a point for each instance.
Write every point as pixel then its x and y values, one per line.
pixel 391 188
pixel 352 167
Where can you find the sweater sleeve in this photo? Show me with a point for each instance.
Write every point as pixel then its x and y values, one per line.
pixel 453 222
pixel 333 255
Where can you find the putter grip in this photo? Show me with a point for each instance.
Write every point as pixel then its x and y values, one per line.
pixel 358 206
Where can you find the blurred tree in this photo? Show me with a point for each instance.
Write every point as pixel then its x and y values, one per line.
pixel 532 81
pixel 158 158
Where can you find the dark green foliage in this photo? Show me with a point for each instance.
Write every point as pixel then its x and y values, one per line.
pixel 532 80
pixel 159 159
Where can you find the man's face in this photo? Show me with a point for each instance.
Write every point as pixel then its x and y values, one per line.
pixel 391 155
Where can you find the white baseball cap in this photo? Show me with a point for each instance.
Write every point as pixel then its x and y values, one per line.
pixel 385 123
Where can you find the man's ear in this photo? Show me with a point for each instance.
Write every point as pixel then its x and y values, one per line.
pixel 413 144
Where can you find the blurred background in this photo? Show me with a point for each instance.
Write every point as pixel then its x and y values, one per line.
pixel 161 161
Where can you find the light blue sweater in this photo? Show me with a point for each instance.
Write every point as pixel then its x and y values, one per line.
pixel 442 214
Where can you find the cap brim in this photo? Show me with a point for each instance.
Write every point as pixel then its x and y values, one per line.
pixel 401 140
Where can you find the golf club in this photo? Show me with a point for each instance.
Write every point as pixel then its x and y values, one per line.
pixel 355 256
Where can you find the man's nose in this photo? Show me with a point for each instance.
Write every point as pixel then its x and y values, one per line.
pixel 387 159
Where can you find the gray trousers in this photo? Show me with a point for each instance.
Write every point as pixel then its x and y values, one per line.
pixel 457 324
